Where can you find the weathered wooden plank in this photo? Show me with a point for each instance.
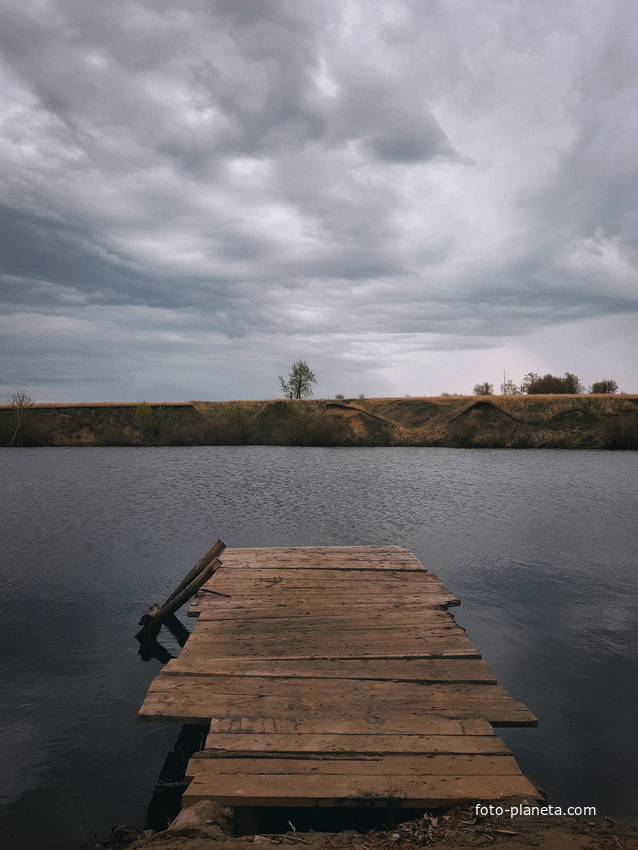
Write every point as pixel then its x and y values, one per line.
pixel 261 615
pixel 166 700
pixel 384 583
pixel 431 655
pixel 353 595
pixel 304 602
pixel 327 561
pixel 362 790
pixel 352 565
pixel 375 623
pixel 371 633
pixel 348 691
pixel 408 764
pixel 326 577
pixel 338 607
pixel 218 607
pixel 270 593
pixel 273 594
pixel 328 574
pixel 332 554
pixel 436 618
pixel 347 695
pixel 373 636
pixel 330 560
pixel 302 617
pixel 425 598
pixel 408 724
pixel 220 631
pixel 391 600
pixel 434 654
pixel 280 714
pixel 417 670
pixel 286 745
pixel 348 591
pixel 347 653
pixel 351 645
pixel 388 548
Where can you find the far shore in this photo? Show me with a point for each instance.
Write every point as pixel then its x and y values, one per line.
pixel 504 421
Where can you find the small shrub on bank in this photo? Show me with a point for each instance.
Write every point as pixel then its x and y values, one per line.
pixel 308 425
pixel 230 424
pixel 32 430
pixel 607 387
pixel 22 403
pixel 144 421
pixel 483 389
pixel 551 385
pixel 113 434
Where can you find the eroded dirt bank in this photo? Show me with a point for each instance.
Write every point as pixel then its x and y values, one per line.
pixel 537 421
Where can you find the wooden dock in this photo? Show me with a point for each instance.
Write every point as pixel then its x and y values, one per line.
pixel 335 676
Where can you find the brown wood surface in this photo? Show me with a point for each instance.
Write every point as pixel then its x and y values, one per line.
pixel 338 602
pixel 304 616
pixel 348 644
pixel 356 790
pixel 341 692
pixel 408 764
pixel 198 703
pixel 329 574
pixel 224 606
pixel 407 723
pixel 318 579
pixel 417 670
pixel 325 557
pixel 336 676
pixel 283 618
pixel 286 745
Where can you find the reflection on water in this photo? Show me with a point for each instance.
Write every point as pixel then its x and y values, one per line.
pixel 539 545
pixel 151 648
pixel 166 800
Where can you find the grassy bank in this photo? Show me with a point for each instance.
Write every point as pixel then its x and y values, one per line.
pixel 536 421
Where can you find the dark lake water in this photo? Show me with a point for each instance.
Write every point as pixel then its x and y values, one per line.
pixel 539 545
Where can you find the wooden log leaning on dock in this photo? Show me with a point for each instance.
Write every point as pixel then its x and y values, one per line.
pixel 175 602
pixel 203 570
pixel 214 552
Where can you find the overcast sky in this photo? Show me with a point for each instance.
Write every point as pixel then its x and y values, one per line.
pixel 412 196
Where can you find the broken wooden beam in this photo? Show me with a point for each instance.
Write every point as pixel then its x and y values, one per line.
pixel 204 569
pixel 214 552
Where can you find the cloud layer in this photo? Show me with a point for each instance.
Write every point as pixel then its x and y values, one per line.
pixel 407 195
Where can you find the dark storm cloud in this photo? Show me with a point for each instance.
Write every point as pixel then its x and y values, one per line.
pixel 46 262
pixel 395 126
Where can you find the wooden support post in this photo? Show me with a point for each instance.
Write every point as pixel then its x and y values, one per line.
pixel 212 553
